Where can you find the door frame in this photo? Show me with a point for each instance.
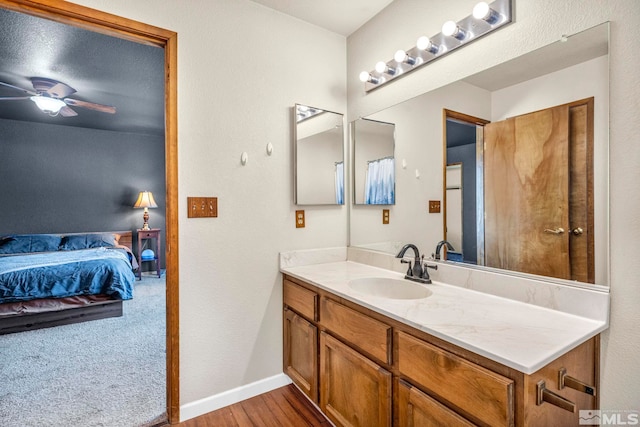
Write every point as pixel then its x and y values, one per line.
pixel 479 123
pixel 116 26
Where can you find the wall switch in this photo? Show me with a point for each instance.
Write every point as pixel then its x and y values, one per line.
pixel 385 216
pixel 434 206
pixel 299 219
pixel 202 207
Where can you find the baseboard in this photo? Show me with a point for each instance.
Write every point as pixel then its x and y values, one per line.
pixel 211 403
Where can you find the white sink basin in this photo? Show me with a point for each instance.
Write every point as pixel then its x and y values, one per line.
pixel 389 288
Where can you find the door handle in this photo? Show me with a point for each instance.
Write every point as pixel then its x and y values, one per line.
pixel 577 231
pixel 558 230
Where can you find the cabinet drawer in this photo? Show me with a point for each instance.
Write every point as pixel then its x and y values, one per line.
pixel 481 393
pixel 369 335
pixel 417 409
pixel 300 299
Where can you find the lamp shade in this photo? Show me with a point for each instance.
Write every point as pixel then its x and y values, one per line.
pixel 145 200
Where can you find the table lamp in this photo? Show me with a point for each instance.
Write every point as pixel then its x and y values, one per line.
pixel 146 201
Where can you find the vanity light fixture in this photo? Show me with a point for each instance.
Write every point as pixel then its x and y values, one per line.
pixel 485 18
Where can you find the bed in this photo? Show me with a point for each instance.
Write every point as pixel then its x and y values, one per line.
pixel 56 279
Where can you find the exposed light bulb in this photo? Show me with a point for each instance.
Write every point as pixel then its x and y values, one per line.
pixel 47 104
pixel 366 76
pixel 451 29
pixel 401 56
pixel 382 67
pixel 424 43
pixel 484 12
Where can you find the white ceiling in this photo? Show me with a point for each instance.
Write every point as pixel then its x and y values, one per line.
pixel 340 16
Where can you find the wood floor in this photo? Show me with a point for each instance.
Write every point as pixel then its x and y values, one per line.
pixel 282 407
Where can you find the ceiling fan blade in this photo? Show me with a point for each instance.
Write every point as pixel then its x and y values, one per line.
pixel 14 98
pixel 60 90
pixel 67 112
pixel 90 105
pixel 18 88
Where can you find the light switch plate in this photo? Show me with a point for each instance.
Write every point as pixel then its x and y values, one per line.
pixel 434 206
pixel 299 219
pixel 202 207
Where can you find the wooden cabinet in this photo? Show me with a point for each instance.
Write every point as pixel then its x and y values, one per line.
pixel 301 353
pixel 354 391
pixel 365 369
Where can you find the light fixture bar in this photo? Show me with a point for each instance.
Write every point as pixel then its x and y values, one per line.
pixel 484 18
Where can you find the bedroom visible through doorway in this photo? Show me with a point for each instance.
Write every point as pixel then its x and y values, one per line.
pixel 165 40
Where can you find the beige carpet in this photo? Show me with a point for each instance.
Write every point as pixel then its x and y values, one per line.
pixel 108 372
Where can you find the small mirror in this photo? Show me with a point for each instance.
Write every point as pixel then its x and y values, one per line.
pixel 374 176
pixel 319 156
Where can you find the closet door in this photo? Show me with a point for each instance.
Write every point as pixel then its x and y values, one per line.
pixel 527 193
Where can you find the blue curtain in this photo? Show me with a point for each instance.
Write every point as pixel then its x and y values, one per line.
pixel 380 182
pixel 340 183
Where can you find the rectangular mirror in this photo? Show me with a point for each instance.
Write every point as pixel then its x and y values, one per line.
pixel 374 178
pixel 437 167
pixel 318 147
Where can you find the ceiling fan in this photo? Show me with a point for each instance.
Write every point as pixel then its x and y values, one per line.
pixel 50 96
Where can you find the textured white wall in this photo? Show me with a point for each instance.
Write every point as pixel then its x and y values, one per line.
pixel 538 23
pixel 241 67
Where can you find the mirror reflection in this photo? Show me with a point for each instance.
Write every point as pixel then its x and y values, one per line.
pixel 473 185
pixel 373 162
pixel 319 156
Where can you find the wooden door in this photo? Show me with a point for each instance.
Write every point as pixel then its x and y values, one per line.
pixel 354 391
pixel 527 193
pixel 301 353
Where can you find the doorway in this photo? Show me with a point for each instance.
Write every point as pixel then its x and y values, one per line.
pixel 93 20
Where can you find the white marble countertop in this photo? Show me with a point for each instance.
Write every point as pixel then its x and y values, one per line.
pixel 522 336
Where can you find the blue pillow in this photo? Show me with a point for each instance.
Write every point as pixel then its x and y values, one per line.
pixel 26 243
pixel 74 242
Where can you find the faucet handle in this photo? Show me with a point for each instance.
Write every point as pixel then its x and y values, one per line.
pixel 410 270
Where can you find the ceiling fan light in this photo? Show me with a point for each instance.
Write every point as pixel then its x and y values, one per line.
pixel 47 104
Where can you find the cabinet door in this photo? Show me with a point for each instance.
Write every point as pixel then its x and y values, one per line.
pixel 416 409
pixel 354 391
pixel 301 353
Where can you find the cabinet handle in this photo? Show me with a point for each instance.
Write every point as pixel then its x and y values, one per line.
pixel 565 380
pixel 545 395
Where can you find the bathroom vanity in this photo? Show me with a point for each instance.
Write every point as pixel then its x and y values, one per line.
pixel 455 357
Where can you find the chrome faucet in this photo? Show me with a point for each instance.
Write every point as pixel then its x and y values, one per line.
pixel 439 247
pixel 418 272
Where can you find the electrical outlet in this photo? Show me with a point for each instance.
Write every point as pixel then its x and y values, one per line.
pixel 299 219
pixel 385 216
pixel 202 207
pixel 434 206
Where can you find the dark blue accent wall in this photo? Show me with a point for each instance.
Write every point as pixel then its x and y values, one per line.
pixel 466 154
pixel 59 179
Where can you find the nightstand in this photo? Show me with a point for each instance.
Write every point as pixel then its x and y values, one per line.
pixel 148 235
